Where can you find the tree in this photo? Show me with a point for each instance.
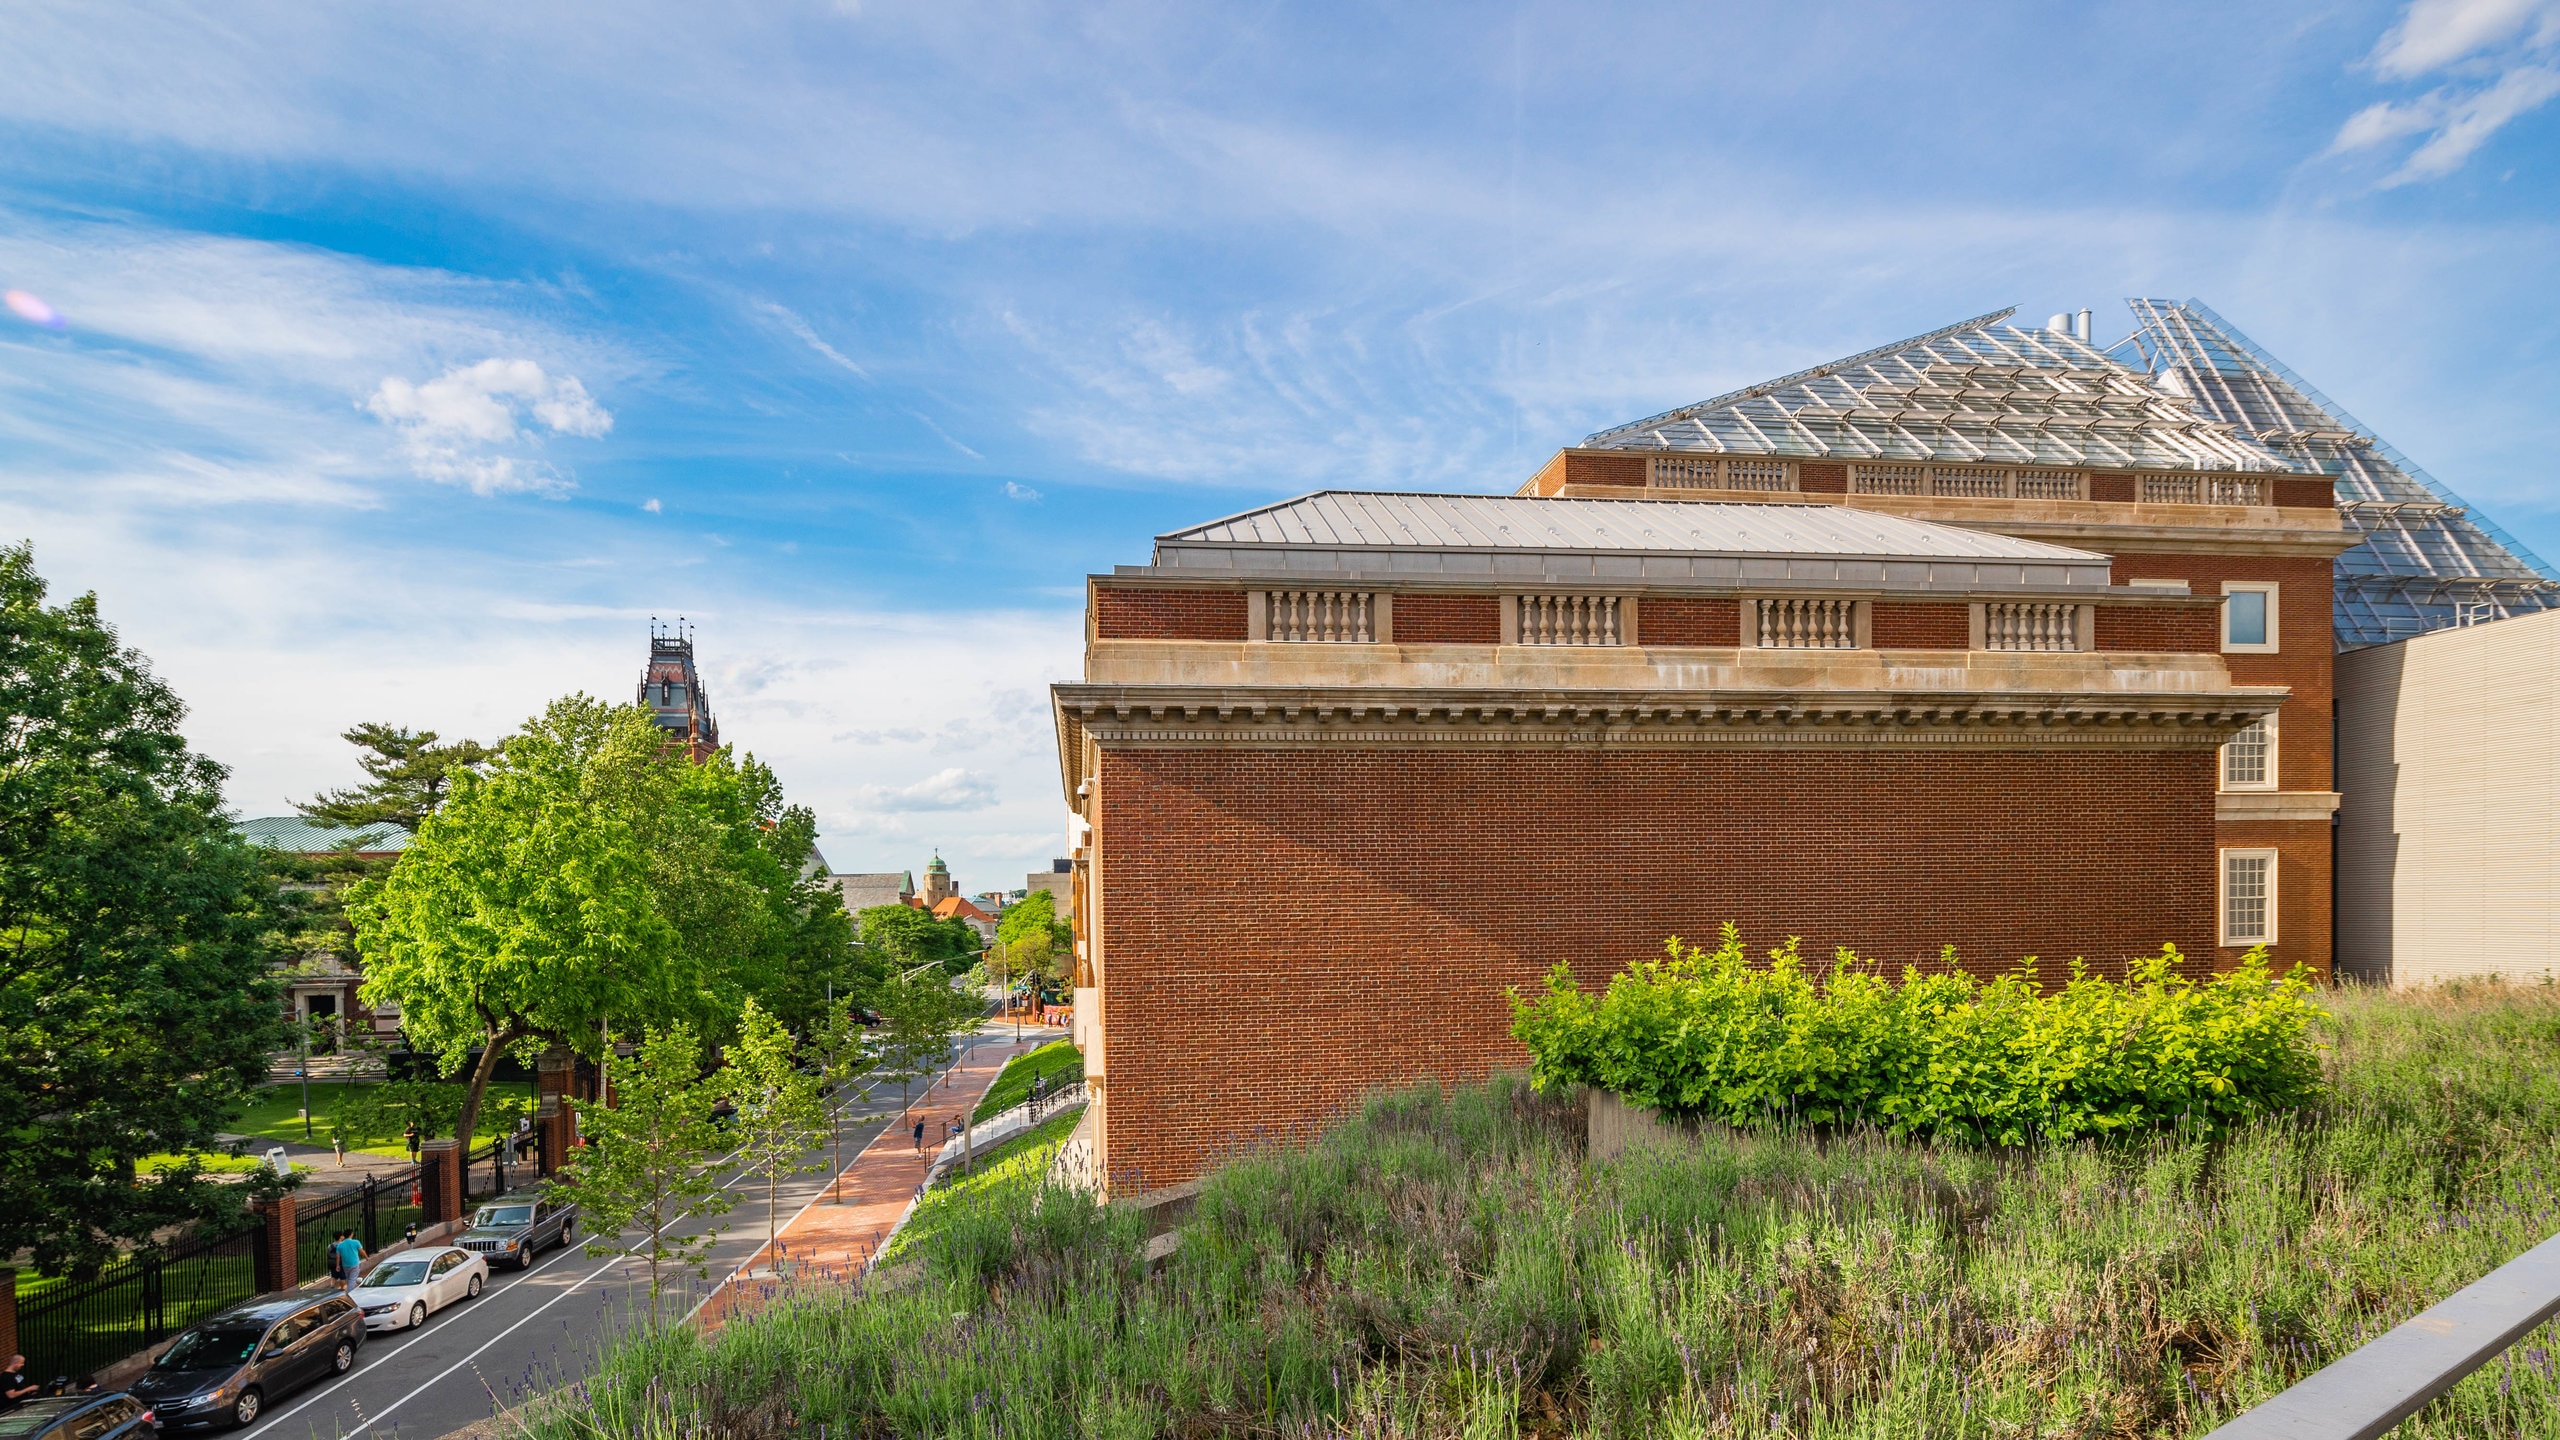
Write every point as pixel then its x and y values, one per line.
pixel 910 937
pixel 411 776
pixel 844 1049
pixel 137 933
pixel 779 1110
pixel 525 910
pixel 919 1015
pixel 812 951
pixel 652 1159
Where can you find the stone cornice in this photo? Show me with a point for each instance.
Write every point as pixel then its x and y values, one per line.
pixel 1160 716
pixel 2241 806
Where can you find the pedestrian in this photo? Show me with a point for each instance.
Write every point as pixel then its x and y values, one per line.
pixel 919 1137
pixel 14 1385
pixel 347 1259
pixel 331 1252
pixel 339 1144
pixel 413 1137
pixel 410 1235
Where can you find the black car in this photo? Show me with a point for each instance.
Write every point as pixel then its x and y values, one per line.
pixel 512 1229
pixel 226 1368
pixel 78 1417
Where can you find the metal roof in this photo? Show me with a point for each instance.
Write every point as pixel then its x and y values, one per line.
pixel 1976 392
pixel 2428 561
pixel 1365 519
pixel 310 837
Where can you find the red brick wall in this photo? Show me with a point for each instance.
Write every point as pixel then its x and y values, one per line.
pixel 1284 930
pixel 1665 620
pixel 1819 479
pixel 2306 492
pixel 1128 614
pixel 2306 657
pixel 2303 932
pixel 1604 470
pixel 1448 620
pixel 1900 625
pixel 2186 630
pixel 2111 487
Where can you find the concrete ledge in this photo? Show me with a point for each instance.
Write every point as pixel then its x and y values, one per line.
pixel 1616 1125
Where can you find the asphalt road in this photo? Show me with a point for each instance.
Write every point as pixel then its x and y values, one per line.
pixel 538 1329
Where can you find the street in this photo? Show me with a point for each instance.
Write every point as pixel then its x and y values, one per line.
pixel 543 1328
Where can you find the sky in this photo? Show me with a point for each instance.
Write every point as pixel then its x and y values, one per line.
pixel 410 359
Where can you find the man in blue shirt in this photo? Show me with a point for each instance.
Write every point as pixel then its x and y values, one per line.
pixel 346 1254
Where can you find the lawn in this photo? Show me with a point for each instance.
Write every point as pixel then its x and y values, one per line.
pixel 1056 1064
pixel 1448 1265
pixel 274 1115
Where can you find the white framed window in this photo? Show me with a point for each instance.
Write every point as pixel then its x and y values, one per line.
pixel 2249 758
pixel 2248 897
pixel 2249 617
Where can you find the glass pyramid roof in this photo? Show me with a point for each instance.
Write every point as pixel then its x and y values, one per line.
pixel 2428 562
pixel 1973 393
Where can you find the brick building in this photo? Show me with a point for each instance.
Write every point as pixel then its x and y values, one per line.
pixel 1982 639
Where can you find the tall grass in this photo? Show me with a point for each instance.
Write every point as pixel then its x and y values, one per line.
pixel 1450 1265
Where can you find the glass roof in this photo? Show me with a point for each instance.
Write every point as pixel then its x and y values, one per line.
pixel 2428 562
pixel 1978 392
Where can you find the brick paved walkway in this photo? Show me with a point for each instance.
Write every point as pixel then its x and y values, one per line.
pixel 831 1242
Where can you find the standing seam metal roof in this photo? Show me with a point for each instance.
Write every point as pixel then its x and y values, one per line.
pixel 1369 519
pixel 1977 392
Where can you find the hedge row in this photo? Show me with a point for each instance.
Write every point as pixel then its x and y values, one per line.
pixel 1706 1033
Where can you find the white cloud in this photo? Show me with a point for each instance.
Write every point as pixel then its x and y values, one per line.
pixel 1016 490
pixel 952 789
pixel 2433 34
pixel 652 506
pixel 451 426
pixel 2493 46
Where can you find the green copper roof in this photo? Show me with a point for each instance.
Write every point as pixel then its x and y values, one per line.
pixel 310 837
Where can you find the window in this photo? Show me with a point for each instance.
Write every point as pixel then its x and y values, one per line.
pixel 2248 897
pixel 2249 616
pixel 2249 758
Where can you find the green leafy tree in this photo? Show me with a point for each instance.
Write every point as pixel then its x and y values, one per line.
pixel 409 774
pixel 908 937
pixel 137 999
pixel 652 1159
pixel 530 907
pixel 845 1050
pixel 780 1113
pixel 920 1013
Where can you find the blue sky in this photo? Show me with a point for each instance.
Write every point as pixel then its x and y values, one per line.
pixel 415 357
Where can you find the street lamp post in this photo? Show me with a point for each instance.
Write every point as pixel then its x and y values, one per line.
pixel 302 1041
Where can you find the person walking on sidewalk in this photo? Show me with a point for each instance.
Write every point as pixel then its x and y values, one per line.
pixel 411 1135
pixel 919 1137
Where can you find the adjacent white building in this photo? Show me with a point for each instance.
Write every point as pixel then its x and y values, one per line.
pixel 2449 762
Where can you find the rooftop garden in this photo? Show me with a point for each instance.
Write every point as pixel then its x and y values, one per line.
pixel 1455 1264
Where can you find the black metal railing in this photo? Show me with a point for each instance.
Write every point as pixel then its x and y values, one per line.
pixel 77 1326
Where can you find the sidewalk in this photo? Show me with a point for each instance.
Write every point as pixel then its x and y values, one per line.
pixel 832 1241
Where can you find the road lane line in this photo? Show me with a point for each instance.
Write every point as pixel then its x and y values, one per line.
pixel 319 1395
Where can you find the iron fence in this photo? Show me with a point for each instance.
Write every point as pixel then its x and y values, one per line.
pixel 139 1300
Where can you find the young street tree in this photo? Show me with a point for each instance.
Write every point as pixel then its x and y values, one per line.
pixel 780 1113
pixel 652 1159
pixel 920 1012
pixel 845 1050
pixel 137 931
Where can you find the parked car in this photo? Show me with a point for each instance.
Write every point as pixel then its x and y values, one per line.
pixel 515 1228
pixel 79 1417
pixel 403 1289
pixel 227 1368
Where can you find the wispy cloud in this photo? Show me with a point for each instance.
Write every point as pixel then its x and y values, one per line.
pixel 2497 55
pixel 952 789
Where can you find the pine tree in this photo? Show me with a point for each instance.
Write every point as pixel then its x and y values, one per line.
pixel 411 775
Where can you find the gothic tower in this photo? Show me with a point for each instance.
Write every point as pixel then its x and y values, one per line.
pixel 671 689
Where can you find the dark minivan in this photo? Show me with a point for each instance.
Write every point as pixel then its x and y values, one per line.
pixel 226 1368
pixel 78 1417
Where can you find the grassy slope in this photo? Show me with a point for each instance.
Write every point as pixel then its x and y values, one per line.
pixel 1059 1062
pixel 1012 1169
pixel 1453 1267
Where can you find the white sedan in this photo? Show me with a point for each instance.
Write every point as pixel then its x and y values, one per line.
pixel 404 1289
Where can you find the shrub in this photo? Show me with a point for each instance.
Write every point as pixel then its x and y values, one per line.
pixel 1705 1033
